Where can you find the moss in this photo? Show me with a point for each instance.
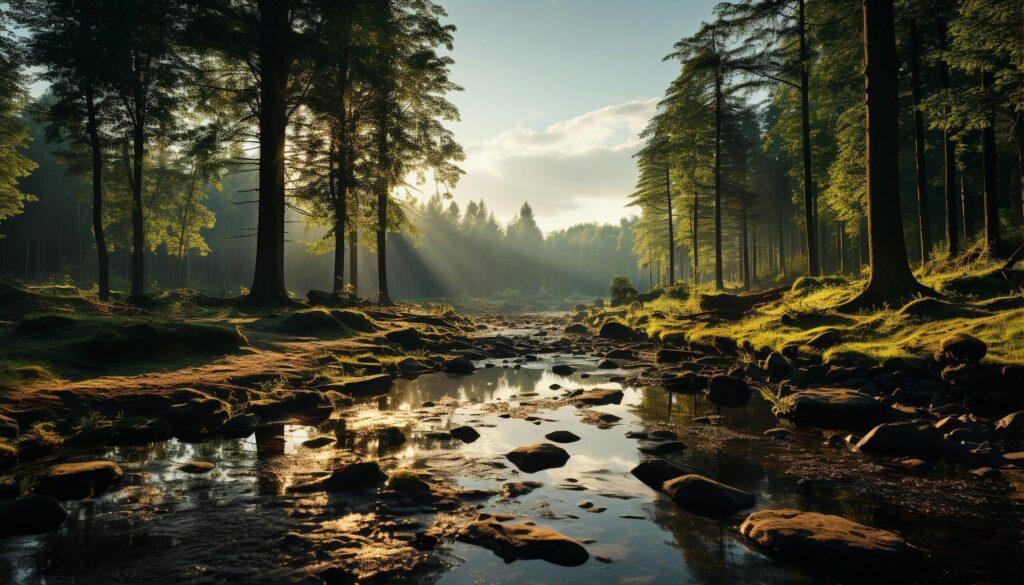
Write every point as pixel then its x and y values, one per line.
pixel 311 322
pixel 8 452
pixel 41 438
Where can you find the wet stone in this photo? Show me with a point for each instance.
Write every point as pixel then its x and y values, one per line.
pixel 534 458
pixel 561 437
pixel 466 434
pixel 32 514
pixel 74 481
pixel 706 497
pixel 197 467
pixel 524 541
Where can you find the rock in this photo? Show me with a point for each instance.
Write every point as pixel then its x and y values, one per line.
pixel 533 458
pixel 728 391
pixel 32 514
pixel 465 434
pixel 408 337
pixel 8 427
pixel 561 437
pixel 1012 424
pixel 391 435
pixel 317 442
pixel 74 481
pixel 618 331
pixel 197 467
pixel 410 368
pixel 240 426
pixel 777 366
pixel 365 386
pixel 621 353
pixel 834 408
pixel 577 329
pixel 524 541
pixel 352 477
pixel 961 348
pixel 459 365
pixel 685 383
pixel 905 439
pixel 654 472
pixel 601 396
pixel 520 488
pixel 585 504
pixel 706 497
pixel 1016 459
pixel 660 447
pixel 825 340
pixel 839 547
pixel 671 356
pixel 607 364
pixel 562 369
pixel 779 433
pixel 986 472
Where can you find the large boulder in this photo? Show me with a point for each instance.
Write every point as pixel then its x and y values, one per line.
pixel 617 330
pixel 524 541
pixel 74 481
pixel 32 514
pixel 961 348
pixel 459 365
pixel 533 458
pixel 834 408
pixel 905 439
pixel 706 497
pixel 728 391
pixel 842 548
pixel 601 396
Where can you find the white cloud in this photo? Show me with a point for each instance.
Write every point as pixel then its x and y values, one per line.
pixel 573 171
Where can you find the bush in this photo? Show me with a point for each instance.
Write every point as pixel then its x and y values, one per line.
pixel 622 291
pixel 806 284
pixel 679 291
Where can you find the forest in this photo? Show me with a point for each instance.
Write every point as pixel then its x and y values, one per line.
pixel 254 327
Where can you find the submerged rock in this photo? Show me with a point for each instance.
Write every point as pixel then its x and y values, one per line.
pixel 524 541
pixel 834 408
pixel 32 514
pixel 518 488
pixel 660 447
pixel 562 437
pixel 562 369
pixel 700 495
pixel 317 442
pixel 352 477
pixel 847 550
pixel 197 467
pixel 533 458
pixel 465 434
pixel 74 481
pixel 601 396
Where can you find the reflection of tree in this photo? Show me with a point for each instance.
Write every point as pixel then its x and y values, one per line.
pixel 483 386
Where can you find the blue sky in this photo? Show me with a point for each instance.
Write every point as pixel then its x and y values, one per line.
pixel 555 92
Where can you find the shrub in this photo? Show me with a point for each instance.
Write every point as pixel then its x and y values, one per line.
pixel 679 291
pixel 622 291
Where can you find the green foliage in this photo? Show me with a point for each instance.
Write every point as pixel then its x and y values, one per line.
pixel 622 291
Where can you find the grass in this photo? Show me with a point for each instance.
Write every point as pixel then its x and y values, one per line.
pixel 807 310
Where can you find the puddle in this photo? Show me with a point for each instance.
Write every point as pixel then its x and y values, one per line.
pixel 240 523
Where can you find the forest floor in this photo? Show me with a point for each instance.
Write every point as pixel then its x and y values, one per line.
pixel 361 443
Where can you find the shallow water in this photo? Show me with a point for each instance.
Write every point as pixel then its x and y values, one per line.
pixel 238 523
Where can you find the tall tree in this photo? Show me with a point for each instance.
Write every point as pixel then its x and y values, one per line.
pixel 14 135
pixel 890 279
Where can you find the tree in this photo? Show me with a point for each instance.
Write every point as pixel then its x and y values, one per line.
pixel 13 133
pixel 78 78
pixel 890 279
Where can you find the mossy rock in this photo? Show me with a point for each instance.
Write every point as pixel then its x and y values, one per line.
pixel 355 320
pixel 148 340
pixel 46 324
pixel 929 308
pixel 313 322
pixel 807 284
pixel 983 286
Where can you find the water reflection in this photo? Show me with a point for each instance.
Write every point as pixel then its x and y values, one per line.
pixel 168 526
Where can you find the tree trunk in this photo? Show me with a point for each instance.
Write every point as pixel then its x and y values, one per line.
pixel 671 234
pixel 923 218
pixel 810 204
pixel 339 252
pixel 96 150
pixel 993 241
pixel 967 208
pixel 890 280
pixel 1018 134
pixel 744 249
pixel 719 281
pixel 353 261
pixel 782 239
pixel 138 226
pixel 696 246
pixel 949 159
pixel 268 280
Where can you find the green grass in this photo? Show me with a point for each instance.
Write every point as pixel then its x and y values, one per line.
pixel 807 310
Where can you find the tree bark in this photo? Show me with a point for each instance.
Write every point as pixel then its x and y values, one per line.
pixel 138 225
pixel 719 281
pixel 993 240
pixel 949 159
pixel 810 204
pixel 693 235
pixel 671 234
pixel 353 261
pixel 744 249
pixel 102 256
pixel 923 217
pixel 268 280
pixel 1018 134
pixel 890 280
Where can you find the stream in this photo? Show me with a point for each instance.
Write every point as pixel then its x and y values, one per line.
pixel 240 523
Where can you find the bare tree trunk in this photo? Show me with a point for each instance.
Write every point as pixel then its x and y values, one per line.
pixel 719 281
pixel 923 218
pixel 96 150
pixel 993 241
pixel 138 225
pixel 1018 197
pixel 949 158
pixel 890 280
pixel 696 246
pixel 268 280
pixel 810 203
pixel 671 234
pixel 353 261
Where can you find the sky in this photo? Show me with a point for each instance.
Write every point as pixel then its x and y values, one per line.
pixel 555 93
